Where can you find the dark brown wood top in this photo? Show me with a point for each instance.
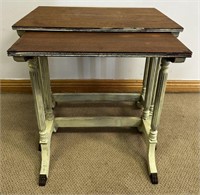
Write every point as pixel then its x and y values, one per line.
pixel 98 44
pixel 97 19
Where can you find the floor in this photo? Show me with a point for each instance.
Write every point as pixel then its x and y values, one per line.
pixel 101 160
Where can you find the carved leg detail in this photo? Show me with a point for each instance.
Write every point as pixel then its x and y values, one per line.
pixel 151 157
pixel 38 100
pixel 45 155
pixel 159 99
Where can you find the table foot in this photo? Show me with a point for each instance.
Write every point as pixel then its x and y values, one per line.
pixel 44 171
pixel 154 178
pixel 152 163
pixel 42 180
pixel 45 153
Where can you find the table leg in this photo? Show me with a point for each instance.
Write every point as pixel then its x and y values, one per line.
pixel 45 126
pixel 144 85
pixel 159 99
pixel 149 88
pixel 48 99
pixel 38 100
pixel 46 87
pixel 155 86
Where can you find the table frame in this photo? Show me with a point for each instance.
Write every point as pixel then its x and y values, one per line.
pixel 44 101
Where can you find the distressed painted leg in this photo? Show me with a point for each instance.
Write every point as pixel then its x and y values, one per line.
pixel 149 88
pixel 46 87
pixel 38 100
pixel 45 154
pixel 159 98
pixel 148 94
pixel 139 103
pixel 45 126
pixel 155 86
pixel 48 99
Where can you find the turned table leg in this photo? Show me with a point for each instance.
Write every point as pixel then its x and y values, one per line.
pixel 159 99
pixel 155 86
pixel 149 88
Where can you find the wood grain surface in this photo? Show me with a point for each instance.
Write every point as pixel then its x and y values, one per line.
pixel 66 43
pixel 100 19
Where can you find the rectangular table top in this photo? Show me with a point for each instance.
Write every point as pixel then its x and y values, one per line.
pixel 98 44
pixel 97 19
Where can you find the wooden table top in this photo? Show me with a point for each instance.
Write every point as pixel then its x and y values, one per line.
pixel 97 19
pixel 98 44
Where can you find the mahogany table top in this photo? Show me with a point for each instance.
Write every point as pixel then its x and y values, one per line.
pixel 45 18
pixel 98 44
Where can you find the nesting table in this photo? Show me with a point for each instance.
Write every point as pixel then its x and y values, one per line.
pixel 98 32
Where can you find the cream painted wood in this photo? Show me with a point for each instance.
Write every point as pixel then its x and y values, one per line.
pixel 145 77
pixel 97 121
pixel 45 149
pixel 160 93
pixel 46 127
pixel 159 99
pixel 149 88
pixel 41 83
pixel 152 159
pixel 46 87
pixel 39 105
pixel 155 85
pixel 144 128
pixel 71 97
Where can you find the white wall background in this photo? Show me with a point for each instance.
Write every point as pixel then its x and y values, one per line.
pixel 186 13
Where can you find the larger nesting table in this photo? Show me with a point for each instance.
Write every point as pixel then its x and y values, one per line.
pixel 105 32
